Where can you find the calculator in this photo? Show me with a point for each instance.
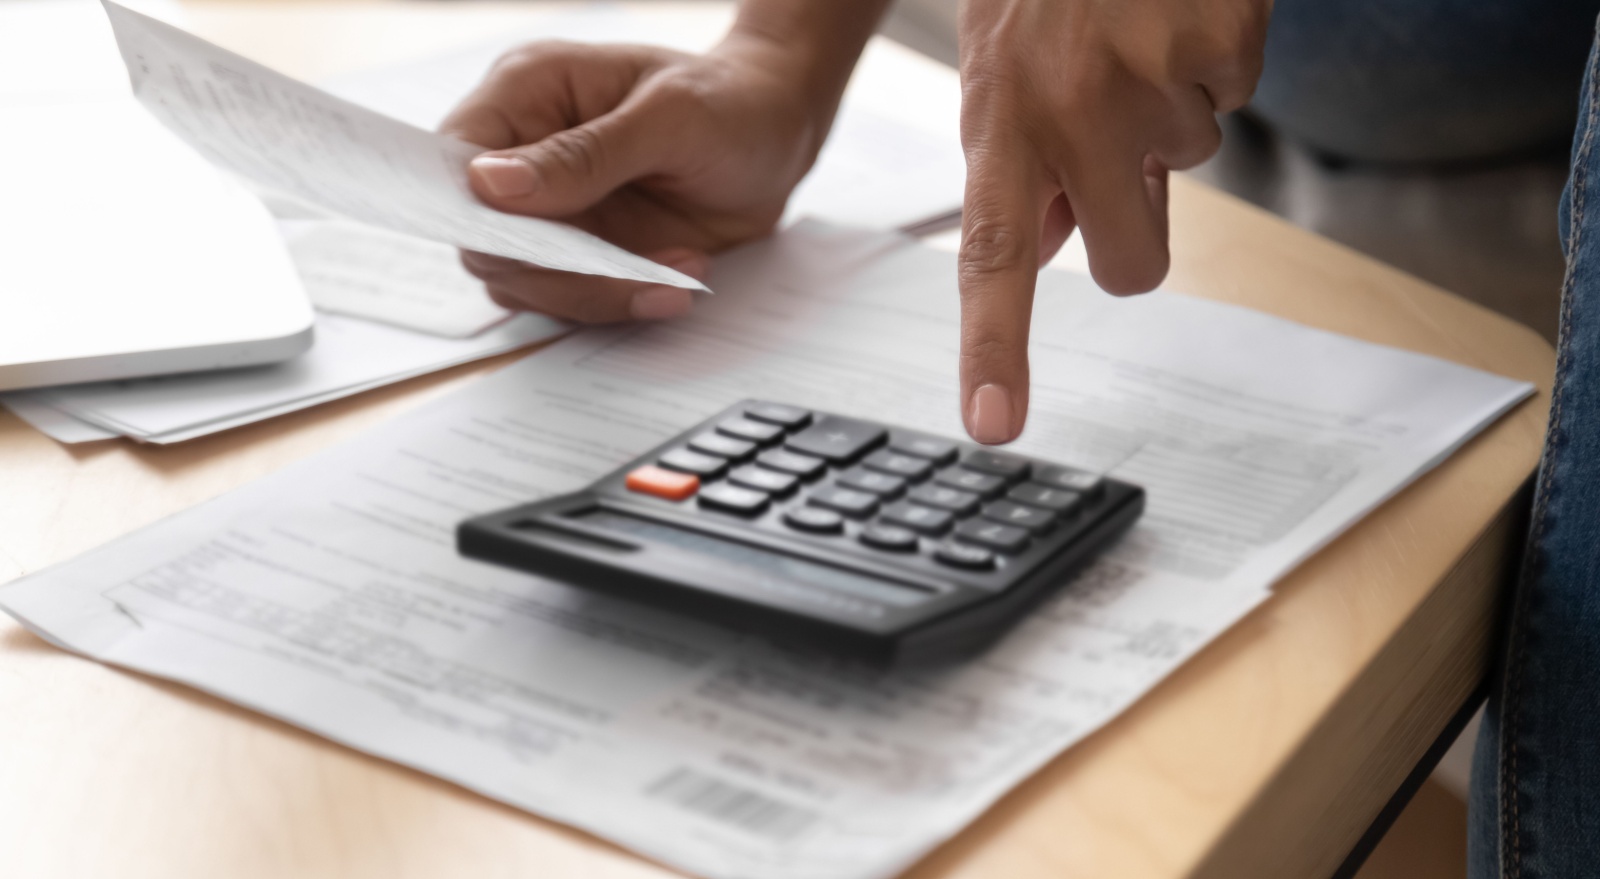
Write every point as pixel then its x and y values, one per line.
pixel 862 539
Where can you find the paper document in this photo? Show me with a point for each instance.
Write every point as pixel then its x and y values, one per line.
pixel 893 158
pixel 288 136
pixel 330 594
pixel 367 272
pixel 351 271
pixel 350 356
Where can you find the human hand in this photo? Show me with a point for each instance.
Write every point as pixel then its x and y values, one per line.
pixel 1072 113
pixel 671 156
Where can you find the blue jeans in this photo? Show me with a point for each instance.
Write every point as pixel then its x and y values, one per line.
pixel 1536 774
pixel 1437 81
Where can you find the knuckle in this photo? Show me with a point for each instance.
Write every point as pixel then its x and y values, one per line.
pixel 984 350
pixel 1226 58
pixel 990 247
pixel 684 95
pixel 529 58
pixel 577 151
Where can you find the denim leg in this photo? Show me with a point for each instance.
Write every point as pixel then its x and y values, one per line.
pixel 1424 80
pixel 1535 807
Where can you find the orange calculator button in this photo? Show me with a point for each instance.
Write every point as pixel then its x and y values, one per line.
pixel 661 482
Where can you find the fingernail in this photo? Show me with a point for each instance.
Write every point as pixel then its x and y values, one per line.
pixel 660 303
pixel 504 177
pixel 989 415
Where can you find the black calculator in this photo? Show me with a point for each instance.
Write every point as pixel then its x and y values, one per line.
pixel 866 540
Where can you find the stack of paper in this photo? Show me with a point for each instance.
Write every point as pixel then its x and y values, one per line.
pixel 330 594
pixel 389 308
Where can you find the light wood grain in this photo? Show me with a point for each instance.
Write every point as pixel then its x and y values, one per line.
pixel 1265 756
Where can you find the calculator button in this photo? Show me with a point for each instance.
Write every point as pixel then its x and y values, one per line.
pixel 1069 478
pixel 662 483
pixel 1056 500
pixel 733 499
pixel 814 519
pixel 984 485
pixel 745 429
pixel 918 518
pixel 936 450
pixel 945 498
pixel 770 481
pixel 882 536
pixel 776 413
pixel 993 535
pixel 962 555
pixel 852 503
pixel 722 446
pixel 836 439
pixel 909 466
pixel 1008 467
pixel 881 484
pixel 685 461
pixel 1020 515
pixel 803 466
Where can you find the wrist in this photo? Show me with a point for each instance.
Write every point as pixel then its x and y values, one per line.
pixel 812 44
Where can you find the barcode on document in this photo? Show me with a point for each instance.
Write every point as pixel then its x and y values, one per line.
pixel 741 807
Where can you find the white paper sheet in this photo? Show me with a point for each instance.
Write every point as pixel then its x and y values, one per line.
pixel 893 158
pixel 288 136
pixel 330 594
pixel 350 356
pixel 54 423
pixel 367 272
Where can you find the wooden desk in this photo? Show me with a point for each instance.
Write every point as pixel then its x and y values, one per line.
pixel 1266 756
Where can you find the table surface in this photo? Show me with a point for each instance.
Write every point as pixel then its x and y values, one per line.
pixel 1268 754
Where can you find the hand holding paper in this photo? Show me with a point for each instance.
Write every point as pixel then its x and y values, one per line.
pixel 671 155
pixel 288 136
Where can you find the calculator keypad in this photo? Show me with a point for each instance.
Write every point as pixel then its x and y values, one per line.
pixel 785 461
pixel 904 493
pixel 717 445
pixel 688 461
pixel 734 499
pixel 983 485
pixel 852 503
pixel 898 464
pixel 754 431
pixel 880 484
pixel 814 519
pixel 773 482
pixel 945 498
pixel 883 535
pixel 836 440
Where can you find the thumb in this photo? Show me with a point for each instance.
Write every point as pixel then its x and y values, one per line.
pixel 567 172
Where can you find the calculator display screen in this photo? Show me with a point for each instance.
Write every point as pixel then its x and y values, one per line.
pixel 766 568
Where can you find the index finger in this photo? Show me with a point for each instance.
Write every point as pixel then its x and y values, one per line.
pixel 1002 218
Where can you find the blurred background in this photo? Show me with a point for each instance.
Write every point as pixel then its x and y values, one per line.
pixel 1481 220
